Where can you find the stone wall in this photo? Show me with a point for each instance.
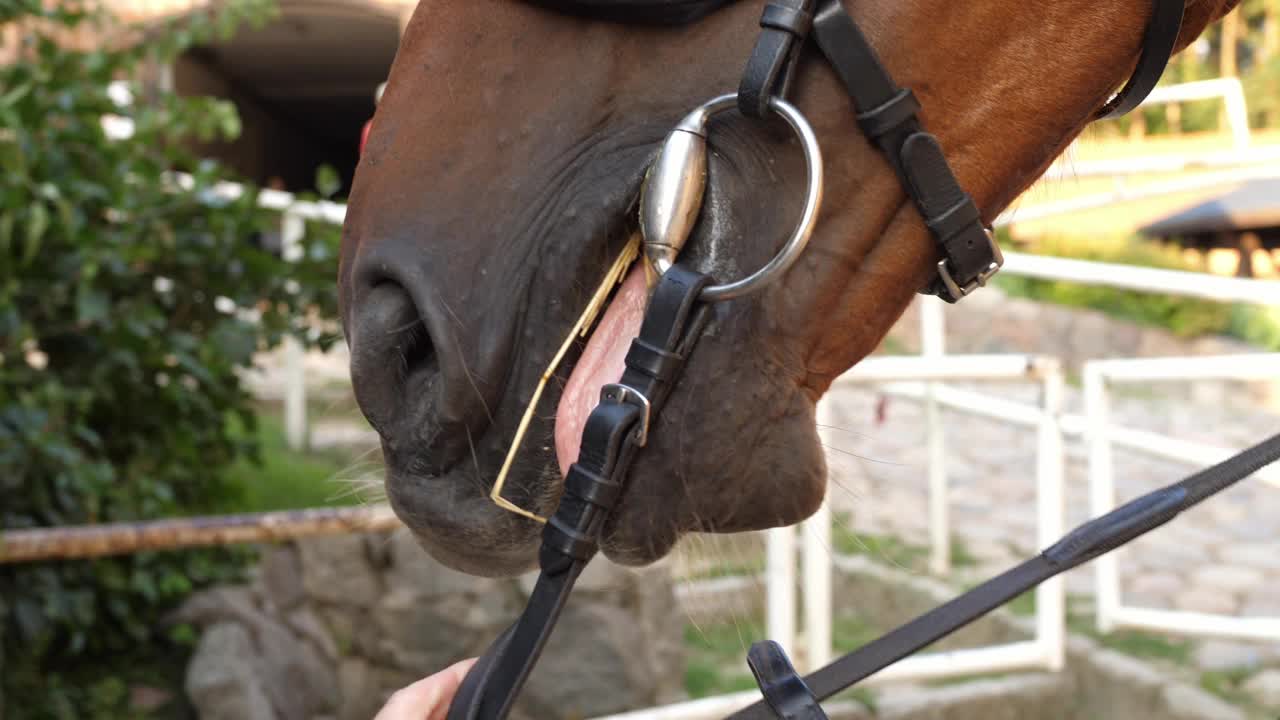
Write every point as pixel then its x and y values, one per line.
pixel 329 627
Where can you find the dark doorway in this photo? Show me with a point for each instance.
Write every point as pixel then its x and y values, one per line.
pixel 304 86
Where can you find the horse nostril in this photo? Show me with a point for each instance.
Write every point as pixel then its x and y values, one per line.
pixel 415 380
pixel 417 352
pixel 392 354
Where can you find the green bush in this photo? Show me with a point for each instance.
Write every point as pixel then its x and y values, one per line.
pixel 1262 88
pixel 1184 316
pixel 128 304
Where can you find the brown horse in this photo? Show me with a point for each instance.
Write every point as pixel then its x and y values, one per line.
pixel 496 187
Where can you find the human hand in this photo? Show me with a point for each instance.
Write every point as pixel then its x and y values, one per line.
pixel 427 699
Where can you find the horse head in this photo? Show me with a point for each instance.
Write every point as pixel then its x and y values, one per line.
pixel 500 182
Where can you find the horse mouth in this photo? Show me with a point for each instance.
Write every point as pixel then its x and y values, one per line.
pixel 600 362
pixel 446 393
pixel 448 422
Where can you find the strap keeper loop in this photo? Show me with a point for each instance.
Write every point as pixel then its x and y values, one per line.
pixel 790 20
pixel 962 217
pixel 591 487
pixel 561 541
pixel 891 115
pixel 659 364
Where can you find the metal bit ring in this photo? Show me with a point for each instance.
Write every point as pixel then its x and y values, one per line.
pixel 790 252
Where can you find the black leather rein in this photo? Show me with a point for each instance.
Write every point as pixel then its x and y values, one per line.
pixel 614 432
pixel 677 312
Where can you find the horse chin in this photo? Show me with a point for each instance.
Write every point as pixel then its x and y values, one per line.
pixel 463 530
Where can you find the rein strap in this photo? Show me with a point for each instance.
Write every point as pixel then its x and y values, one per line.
pixel 1087 542
pixel 613 434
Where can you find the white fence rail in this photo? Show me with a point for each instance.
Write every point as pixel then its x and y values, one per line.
pixel 1046 651
pixel 1142 279
pixel 1240 163
pixel 1101 433
pixel 1123 193
pixel 1228 89
pixel 1121 168
pixel 920 377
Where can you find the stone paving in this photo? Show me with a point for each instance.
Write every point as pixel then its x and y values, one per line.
pixel 1221 557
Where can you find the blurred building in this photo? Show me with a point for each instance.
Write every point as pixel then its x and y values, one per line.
pixel 304 83
pixel 1240 222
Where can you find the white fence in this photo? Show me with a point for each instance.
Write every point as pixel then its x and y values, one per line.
pixel 1260 166
pixel 1047 649
pixel 904 375
pixel 1228 89
pixel 1102 434
pixel 1242 162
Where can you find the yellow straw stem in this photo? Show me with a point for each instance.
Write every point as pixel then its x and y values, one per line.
pixel 611 279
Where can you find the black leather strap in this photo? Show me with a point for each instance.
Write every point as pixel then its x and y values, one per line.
pixel 893 114
pixel 591 487
pixel 1158 42
pixel 674 320
pixel 887 115
pixel 782 687
pixel 653 361
pixel 794 21
pixel 784 24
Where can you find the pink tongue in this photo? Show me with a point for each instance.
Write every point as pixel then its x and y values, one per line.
pixel 601 363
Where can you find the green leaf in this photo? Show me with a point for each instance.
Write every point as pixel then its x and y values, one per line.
pixel 229 122
pixel 183 634
pixel 87 225
pixel 15 95
pixel 37 224
pixel 92 305
pixel 327 181
pixel 7 221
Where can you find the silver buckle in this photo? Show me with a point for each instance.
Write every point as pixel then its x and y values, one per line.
pixel 619 393
pixel 958 292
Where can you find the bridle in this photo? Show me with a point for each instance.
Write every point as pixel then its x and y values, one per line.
pixel 618 427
